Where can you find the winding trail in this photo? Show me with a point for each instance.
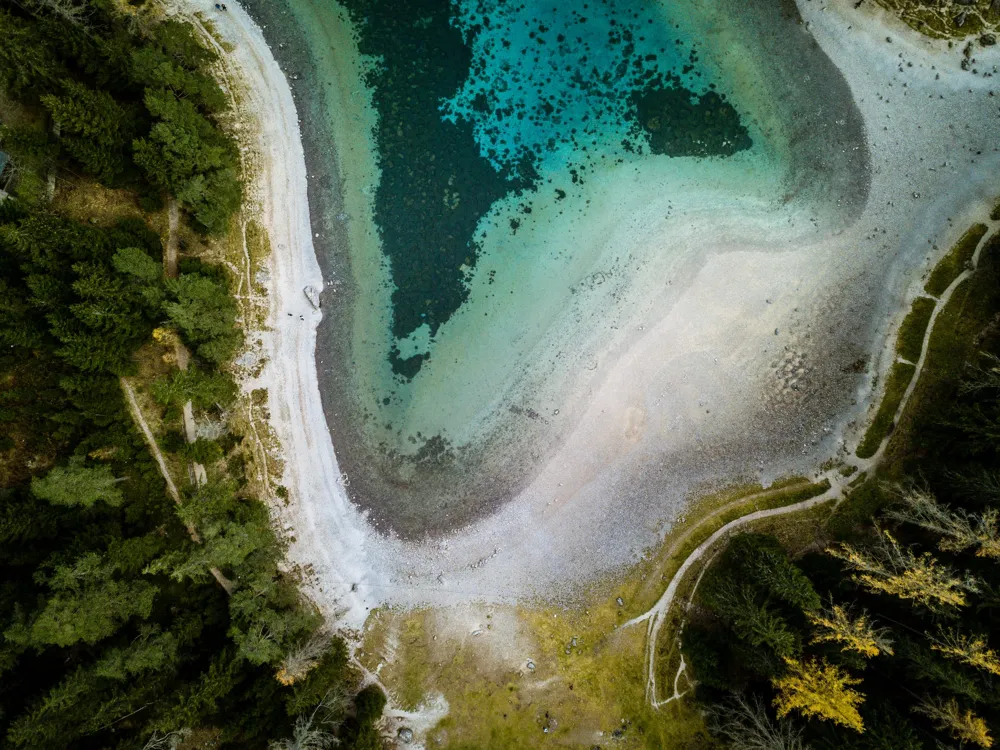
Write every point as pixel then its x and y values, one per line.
pixel 655 616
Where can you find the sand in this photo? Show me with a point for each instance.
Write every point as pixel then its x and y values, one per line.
pixel 736 378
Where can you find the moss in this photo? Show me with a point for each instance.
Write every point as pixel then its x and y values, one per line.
pixel 895 387
pixel 951 265
pixel 933 19
pixel 995 213
pixel 910 339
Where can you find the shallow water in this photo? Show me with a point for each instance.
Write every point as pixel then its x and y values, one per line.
pixel 516 183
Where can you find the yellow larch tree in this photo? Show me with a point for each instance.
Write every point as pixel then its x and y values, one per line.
pixel 963 725
pixel 971 650
pixel 890 568
pixel 835 625
pixel 958 529
pixel 814 687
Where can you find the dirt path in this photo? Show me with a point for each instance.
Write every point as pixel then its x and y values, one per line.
pixel 170 252
pixel 656 615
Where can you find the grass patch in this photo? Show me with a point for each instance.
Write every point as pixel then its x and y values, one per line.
pixel 895 386
pixel 940 21
pixel 910 339
pixel 589 672
pixel 951 265
pixel 953 343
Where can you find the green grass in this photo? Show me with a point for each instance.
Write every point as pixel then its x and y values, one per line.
pixel 895 386
pixel 955 261
pixel 952 344
pixel 910 340
pixel 933 19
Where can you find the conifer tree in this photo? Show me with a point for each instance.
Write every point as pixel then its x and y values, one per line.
pixel 205 314
pixel 813 687
pixel 889 568
pixel 959 529
pixel 78 484
pixel 962 725
pixel 94 129
pixel 858 634
pixel 970 650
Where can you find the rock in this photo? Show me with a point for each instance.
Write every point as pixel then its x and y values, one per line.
pixel 531 665
pixel 620 602
pixel 405 735
pixel 988 40
pixel 312 295
pixel 960 19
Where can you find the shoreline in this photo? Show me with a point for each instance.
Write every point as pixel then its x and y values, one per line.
pixel 277 190
pixel 501 474
pixel 499 558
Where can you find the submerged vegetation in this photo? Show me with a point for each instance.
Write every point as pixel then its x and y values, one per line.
pixel 143 600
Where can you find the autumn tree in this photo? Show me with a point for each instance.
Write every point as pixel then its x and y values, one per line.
pixel 890 568
pixel 813 687
pixel 967 649
pixel 858 634
pixel 958 529
pixel 949 717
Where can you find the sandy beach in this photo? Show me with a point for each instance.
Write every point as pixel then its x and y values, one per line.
pixel 737 373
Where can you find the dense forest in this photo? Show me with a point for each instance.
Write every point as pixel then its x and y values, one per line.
pixel 135 613
pixel 886 633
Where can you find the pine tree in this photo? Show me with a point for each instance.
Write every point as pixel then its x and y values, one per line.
pixel 889 568
pixel 186 155
pixel 28 64
pixel 962 725
pixel 814 687
pixel 205 314
pixel 94 129
pixel 859 634
pixel 78 484
pixel 752 620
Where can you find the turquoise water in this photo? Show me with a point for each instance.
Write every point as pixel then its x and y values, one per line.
pixel 555 85
pixel 518 185
pixel 481 99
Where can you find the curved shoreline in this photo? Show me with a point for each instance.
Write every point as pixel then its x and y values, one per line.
pixel 499 558
pixel 537 409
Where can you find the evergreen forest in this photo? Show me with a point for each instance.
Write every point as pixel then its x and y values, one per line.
pixel 143 599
